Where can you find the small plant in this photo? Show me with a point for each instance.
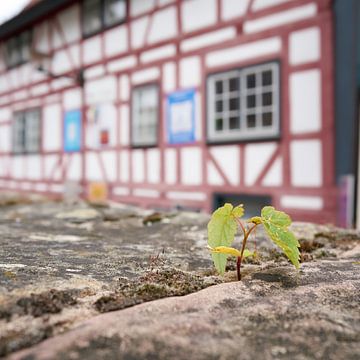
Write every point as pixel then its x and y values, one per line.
pixel 224 224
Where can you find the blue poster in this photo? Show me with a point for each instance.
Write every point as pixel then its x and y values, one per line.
pixel 181 117
pixel 72 131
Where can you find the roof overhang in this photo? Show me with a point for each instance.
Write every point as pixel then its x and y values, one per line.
pixel 28 16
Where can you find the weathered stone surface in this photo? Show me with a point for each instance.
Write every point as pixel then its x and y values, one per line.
pixel 58 273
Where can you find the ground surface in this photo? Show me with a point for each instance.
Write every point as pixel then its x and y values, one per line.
pixel 84 282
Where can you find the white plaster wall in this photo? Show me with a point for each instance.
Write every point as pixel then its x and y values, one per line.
pixel 233 8
pixel 244 52
pixel 61 62
pixel 74 169
pixel 137 163
pixel 197 14
pixel 33 168
pixel 93 169
pixel 281 18
pixel 170 166
pixel 20 95
pixel 50 163
pixel 304 46
pixel 302 202
pixel 263 4
pixel 121 191
pixel 228 159
pixel 41 37
pixel 256 157
pixel 208 39
pixel 40 89
pixel 124 125
pixel 109 162
pixel 169 77
pixel 75 54
pixel 72 99
pixel 70 24
pixel 124 86
pixel 186 195
pixel 52 128
pixel 143 76
pixel 153 166
pixel 138 32
pixel 5 138
pixel 163 25
pixel 190 71
pixel 138 7
pixel 124 63
pixel 56 39
pixel 5 114
pixel 306 163
pixel 124 165
pixel 274 175
pixel 92 50
pixel 100 90
pixel 213 175
pixel 116 41
pixel 305 101
pixel 94 71
pixel 191 166
pixel 158 53
pixel 4 165
pixel 18 167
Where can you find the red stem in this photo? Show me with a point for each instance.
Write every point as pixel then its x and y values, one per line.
pixel 239 259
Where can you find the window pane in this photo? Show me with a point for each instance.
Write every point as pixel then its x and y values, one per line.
pixel 234 84
pixel 145 115
pixel 267 78
pixel 267 119
pixel 219 125
pixel 219 87
pixel 234 104
pixel 251 121
pixel 25 44
pixel 114 11
pixel 18 131
pixel 251 81
pixel 32 133
pixel 267 99
pixel 234 123
pixel 250 101
pixel 219 106
pixel 91 16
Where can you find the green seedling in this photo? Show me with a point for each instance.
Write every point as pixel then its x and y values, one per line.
pixel 224 225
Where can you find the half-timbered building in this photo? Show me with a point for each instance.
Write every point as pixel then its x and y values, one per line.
pixel 170 103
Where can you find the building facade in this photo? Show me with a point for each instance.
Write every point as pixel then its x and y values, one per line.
pixel 170 103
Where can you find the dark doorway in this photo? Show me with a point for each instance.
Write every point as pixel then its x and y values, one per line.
pixel 252 203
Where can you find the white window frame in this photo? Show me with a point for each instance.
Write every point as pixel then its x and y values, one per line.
pixel 26 132
pixel 244 132
pixel 138 137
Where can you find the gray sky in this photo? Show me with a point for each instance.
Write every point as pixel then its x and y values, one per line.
pixel 9 9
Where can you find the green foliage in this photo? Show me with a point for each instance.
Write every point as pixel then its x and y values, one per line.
pixel 223 227
pixel 221 232
pixel 276 224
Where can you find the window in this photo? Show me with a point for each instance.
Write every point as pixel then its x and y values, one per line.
pixel 18 49
pixel 101 14
pixel 26 132
pixel 244 103
pixel 145 104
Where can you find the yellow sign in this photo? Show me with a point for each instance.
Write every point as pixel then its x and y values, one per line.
pixel 98 192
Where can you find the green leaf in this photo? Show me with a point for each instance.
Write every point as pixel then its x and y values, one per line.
pixel 276 225
pixel 221 231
